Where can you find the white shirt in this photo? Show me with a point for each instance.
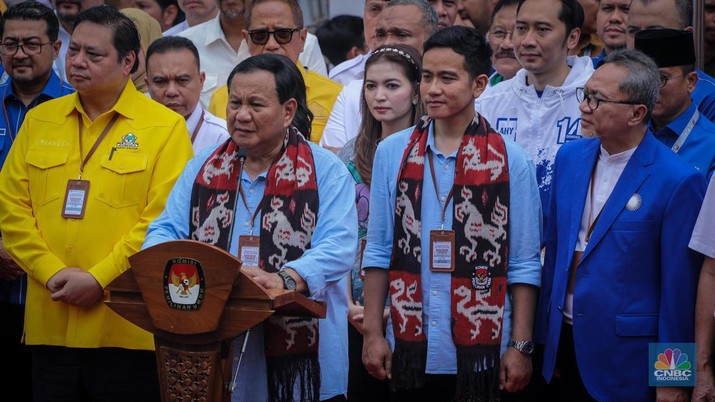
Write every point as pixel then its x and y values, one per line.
pixel 212 131
pixel 176 29
pixel 604 178
pixel 540 124
pixel 218 57
pixel 349 70
pixel 59 63
pixel 345 117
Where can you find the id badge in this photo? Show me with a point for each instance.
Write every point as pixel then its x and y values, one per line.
pixel 248 250
pixel 442 250
pixel 75 199
pixel 363 242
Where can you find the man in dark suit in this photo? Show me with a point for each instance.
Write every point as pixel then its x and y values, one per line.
pixel 618 274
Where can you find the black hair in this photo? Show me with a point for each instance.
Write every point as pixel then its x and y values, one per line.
pixel 163 4
pixel 32 11
pixel 501 4
pixel 171 44
pixel 571 14
pixel 289 84
pixel 465 41
pixel 125 36
pixel 338 35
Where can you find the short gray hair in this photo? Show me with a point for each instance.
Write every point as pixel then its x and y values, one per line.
pixel 429 15
pixel 642 83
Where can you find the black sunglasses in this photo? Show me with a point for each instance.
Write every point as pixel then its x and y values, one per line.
pixel 281 35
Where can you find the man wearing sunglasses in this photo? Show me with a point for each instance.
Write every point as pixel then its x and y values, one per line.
pixel 29 46
pixel 618 274
pixel 676 121
pixel 276 26
pixel 222 46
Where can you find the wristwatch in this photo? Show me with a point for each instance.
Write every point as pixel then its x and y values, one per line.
pixel 525 347
pixel 288 281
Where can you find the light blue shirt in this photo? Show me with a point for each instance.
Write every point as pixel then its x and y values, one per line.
pixel 324 266
pixel 699 148
pixel 524 236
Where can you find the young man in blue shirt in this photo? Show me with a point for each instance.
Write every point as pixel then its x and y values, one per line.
pixel 448 198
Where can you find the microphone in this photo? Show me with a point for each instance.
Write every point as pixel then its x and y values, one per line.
pixel 242 154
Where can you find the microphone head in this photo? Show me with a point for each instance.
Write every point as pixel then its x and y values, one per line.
pixel 242 153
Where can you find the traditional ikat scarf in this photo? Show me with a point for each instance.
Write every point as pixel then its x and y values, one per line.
pixel 478 286
pixel 289 212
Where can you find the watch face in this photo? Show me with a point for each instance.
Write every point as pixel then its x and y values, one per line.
pixel 288 281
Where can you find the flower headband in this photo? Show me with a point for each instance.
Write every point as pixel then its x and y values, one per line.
pixel 401 53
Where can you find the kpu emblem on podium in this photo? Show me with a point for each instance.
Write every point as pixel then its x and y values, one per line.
pixel 184 284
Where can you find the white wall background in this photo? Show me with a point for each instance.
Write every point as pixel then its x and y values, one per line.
pixel 316 11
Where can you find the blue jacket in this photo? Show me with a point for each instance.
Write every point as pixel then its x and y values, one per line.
pixel 16 110
pixel 637 279
pixel 11 118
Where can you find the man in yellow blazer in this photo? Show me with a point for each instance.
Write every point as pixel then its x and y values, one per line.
pixel 85 176
pixel 276 26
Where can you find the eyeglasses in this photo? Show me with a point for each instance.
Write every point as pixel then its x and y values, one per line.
pixel 593 102
pixel 664 78
pixel 32 48
pixel 281 35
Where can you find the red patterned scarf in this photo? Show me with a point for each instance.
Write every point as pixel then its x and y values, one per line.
pixel 478 286
pixel 289 213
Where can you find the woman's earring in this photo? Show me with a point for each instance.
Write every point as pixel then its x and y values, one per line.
pixel 414 102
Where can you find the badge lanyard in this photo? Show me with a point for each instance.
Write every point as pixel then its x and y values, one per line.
pixel 443 207
pixel 77 190
pixel 249 246
pixel 96 143
pixel 442 242
pixel 592 224
pixel 686 132
pixel 198 127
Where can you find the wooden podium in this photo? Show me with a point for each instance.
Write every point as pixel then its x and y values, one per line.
pixel 193 297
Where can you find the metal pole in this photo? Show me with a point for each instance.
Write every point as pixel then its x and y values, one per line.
pixel 699 32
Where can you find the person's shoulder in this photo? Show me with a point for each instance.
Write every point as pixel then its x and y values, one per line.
pixel 575 149
pixel 53 110
pixel 668 164
pixel 152 113
pixel 704 77
pixel 327 160
pixel 507 89
pixel 198 33
pixel 347 67
pixel 581 71
pixel 324 83
pixel 396 140
pixel 214 120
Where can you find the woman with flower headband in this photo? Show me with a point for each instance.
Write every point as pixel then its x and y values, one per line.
pixel 391 95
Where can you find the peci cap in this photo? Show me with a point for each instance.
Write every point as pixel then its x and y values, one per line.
pixel 667 47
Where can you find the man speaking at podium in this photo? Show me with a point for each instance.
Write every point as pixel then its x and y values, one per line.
pixel 286 208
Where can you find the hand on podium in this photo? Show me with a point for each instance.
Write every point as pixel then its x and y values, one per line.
pixel 271 280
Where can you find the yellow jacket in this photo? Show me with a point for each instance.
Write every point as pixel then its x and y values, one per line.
pixel 131 174
pixel 320 91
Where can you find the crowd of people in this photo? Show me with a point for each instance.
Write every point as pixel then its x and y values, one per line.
pixel 497 199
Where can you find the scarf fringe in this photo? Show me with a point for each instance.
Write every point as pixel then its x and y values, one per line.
pixel 409 362
pixel 477 374
pixel 288 374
